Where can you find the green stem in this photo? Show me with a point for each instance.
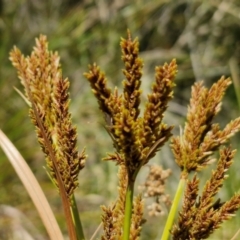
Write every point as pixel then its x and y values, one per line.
pixel 174 207
pixel 128 210
pixel 76 220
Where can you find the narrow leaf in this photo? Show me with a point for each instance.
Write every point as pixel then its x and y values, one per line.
pixel 32 186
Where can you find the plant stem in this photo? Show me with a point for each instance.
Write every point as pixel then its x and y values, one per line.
pixel 77 220
pixel 171 215
pixel 32 186
pixel 128 210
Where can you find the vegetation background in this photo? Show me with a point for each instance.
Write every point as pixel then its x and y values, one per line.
pixel 204 37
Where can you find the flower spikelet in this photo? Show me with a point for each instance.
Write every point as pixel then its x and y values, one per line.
pixel 214 218
pixel 126 140
pixel 229 131
pixel 112 217
pixel 118 212
pixel 137 218
pixel 108 227
pixel 214 184
pixel 227 210
pixel 109 103
pixel 98 82
pixel 162 92
pixel 199 218
pixel 192 150
pixel 186 215
pixel 133 74
pixel 47 91
pixel 205 219
pixel 66 135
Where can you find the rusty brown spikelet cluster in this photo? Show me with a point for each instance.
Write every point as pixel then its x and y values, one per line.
pixel 136 139
pixel 203 213
pixel 47 92
pixel 113 215
pixel 201 137
pixel 137 218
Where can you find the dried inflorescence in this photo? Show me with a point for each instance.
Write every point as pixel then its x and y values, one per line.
pixel 154 187
pixel 47 92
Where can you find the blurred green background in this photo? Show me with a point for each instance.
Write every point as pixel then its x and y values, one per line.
pixel 204 37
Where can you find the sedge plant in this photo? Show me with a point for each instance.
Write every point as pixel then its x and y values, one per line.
pixel 136 138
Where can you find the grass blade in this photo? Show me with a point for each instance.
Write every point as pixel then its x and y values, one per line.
pixel 32 186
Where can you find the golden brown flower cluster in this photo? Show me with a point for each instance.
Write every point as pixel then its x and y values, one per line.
pixel 201 137
pixel 47 92
pixel 136 139
pixel 113 215
pixel 202 213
